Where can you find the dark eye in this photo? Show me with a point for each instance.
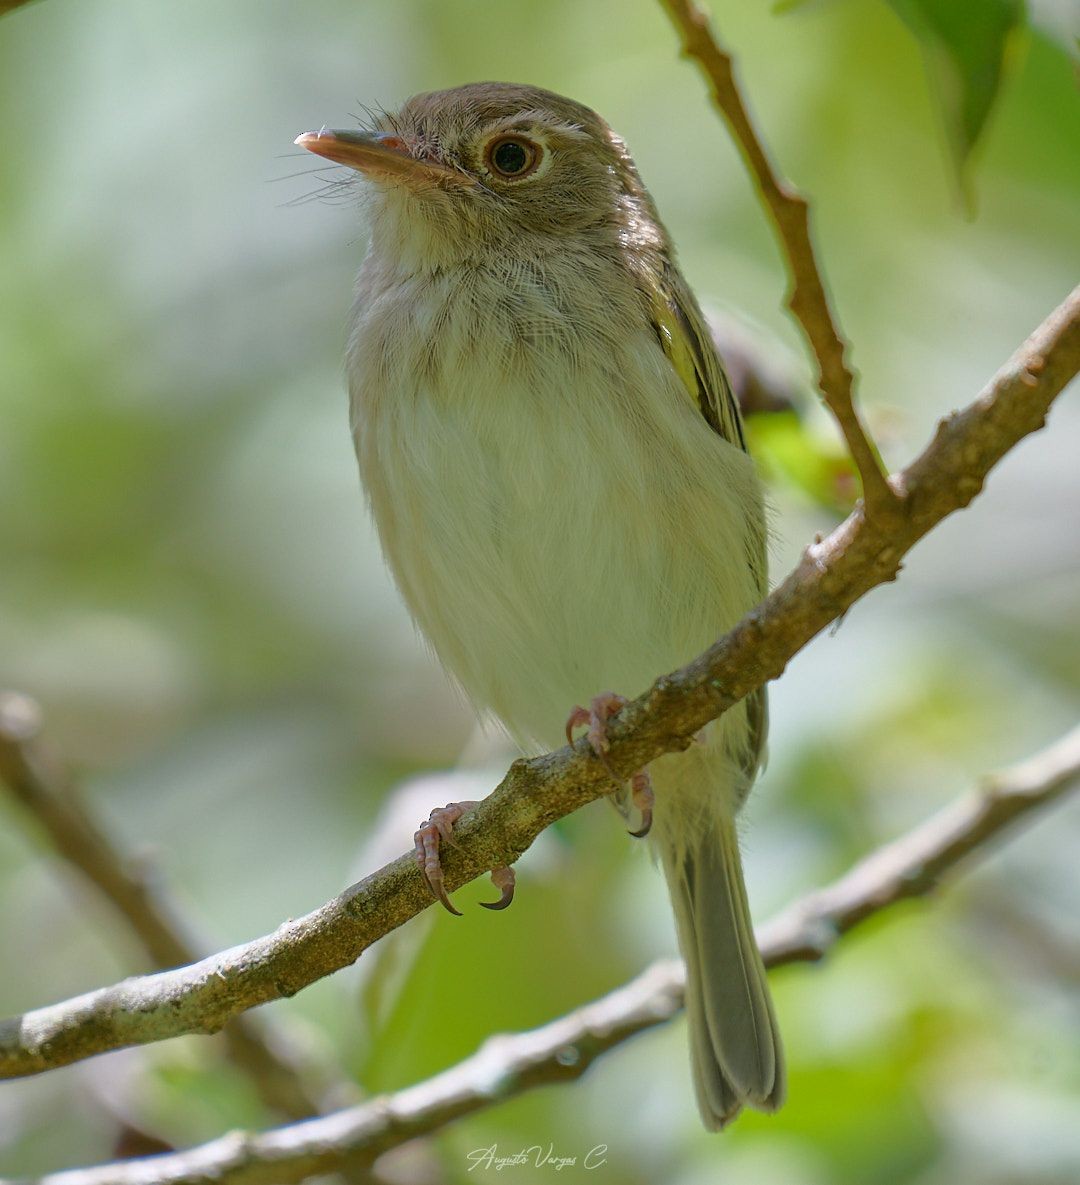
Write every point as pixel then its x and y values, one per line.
pixel 512 156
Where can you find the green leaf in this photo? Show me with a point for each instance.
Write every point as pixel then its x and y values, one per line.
pixel 789 453
pixel 964 42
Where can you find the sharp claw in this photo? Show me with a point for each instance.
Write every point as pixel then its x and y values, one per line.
pixel 577 716
pixel 596 717
pixel 646 824
pixel 504 879
pixel 439 829
pixel 603 707
pixel 448 904
pixel 642 797
pixel 443 822
pixel 439 893
pixel 503 902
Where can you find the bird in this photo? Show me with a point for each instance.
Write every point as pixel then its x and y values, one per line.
pixel 558 474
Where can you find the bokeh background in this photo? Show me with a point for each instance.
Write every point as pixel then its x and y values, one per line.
pixel 190 586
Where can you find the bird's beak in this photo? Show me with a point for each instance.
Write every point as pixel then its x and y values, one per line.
pixel 380 154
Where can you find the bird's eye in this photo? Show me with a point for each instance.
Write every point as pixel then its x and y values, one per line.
pixel 512 156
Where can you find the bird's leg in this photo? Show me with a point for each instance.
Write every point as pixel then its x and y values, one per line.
pixel 439 829
pixel 601 708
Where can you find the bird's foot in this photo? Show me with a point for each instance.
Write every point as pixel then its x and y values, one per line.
pixel 601 708
pixel 439 829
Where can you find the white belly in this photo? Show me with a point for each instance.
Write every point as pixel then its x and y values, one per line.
pixel 556 531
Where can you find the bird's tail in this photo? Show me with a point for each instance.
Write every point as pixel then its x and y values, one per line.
pixel 735 1048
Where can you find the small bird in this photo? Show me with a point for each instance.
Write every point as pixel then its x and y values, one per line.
pixel 557 471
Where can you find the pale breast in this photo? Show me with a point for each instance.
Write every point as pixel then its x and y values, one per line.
pixel 560 520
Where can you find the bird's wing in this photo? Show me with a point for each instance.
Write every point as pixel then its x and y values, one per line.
pixel 685 339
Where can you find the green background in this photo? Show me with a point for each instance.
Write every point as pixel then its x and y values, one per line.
pixel 189 584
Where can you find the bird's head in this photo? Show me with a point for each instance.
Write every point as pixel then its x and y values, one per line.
pixel 458 174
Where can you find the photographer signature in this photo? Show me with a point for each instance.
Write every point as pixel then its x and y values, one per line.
pixel 536 1156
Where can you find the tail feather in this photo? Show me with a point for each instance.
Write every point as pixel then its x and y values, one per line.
pixel 735 1048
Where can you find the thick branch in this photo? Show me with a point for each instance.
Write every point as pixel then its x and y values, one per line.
pixel 833 574
pixel 508 1065
pixel 45 790
pixel 790 214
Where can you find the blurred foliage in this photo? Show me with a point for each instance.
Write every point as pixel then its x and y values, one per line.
pixel 189 585
pixel 965 47
pixel 820 468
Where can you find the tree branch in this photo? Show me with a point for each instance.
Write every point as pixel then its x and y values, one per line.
pixel 790 214
pixel 509 1065
pixel 45 790
pixel 833 574
pixel 915 864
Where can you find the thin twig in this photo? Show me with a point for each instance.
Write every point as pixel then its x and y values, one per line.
pixel 807 298
pixel 833 574
pixel 509 1065
pixel 47 793
pixel 915 864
